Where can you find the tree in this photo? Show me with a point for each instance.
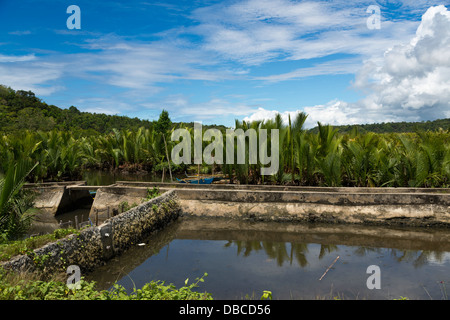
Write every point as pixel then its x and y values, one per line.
pixel 162 126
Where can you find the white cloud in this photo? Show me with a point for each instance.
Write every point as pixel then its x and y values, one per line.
pixel 10 58
pixel 334 112
pixel 215 108
pixel 108 105
pixel 262 114
pixel 413 80
pixel 342 66
pixel 410 83
pixel 253 32
pixel 28 73
pixel 20 33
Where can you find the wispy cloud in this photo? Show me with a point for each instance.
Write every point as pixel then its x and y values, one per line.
pixel 182 107
pixel 12 58
pixel 254 32
pixel 28 73
pixel 20 33
pixel 343 66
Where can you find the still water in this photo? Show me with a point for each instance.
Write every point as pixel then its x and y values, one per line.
pixel 244 258
pixel 104 178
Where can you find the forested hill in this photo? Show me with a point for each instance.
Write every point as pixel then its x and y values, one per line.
pixel 391 127
pixel 23 110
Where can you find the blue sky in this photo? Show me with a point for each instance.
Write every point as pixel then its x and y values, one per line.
pixel 216 61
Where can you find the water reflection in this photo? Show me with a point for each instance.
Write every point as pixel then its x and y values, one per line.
pixel 283 252
pixel 288 259
pixel 105 178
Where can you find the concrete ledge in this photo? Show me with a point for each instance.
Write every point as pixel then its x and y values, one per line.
pixel 95 245
pixel 413 208
pixel 388 206
pixel 55 197
pixel 176 185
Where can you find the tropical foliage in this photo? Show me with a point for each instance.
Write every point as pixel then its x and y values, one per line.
pixel 15 203
pixel 325 158
pixel 65 142
pixel 328 158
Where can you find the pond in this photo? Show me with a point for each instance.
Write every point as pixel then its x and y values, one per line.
pixel 244 258
pixel 104 178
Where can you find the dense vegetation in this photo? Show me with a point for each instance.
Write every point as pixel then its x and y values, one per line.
pixel 16 204
pixel 395 127
pixel 15 287
pixel 328 158
pixel 22 110
pixel 320 157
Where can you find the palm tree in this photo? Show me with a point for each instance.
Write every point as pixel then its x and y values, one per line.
pixel 14 202
pixel 329 155
pixel 295 136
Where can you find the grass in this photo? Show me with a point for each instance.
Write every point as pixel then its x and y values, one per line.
pixel 10 249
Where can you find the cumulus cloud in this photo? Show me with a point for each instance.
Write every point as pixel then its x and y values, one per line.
pixel 334 112
pixel 410 83
pixel 413 80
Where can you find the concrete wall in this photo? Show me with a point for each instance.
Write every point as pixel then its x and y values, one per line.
pixel 108 201
pixel 95 245
pixel 420 209
pixel 387 206
pixel 54 197
pixel 176 185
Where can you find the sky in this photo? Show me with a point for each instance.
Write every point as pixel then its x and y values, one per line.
pixel 341 62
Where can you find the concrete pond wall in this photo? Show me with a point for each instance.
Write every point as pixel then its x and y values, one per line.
pixel 95 245
pixel 383 206
pixel 344 207
pixel 53 198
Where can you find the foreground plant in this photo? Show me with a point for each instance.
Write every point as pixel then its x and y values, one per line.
pixel 18 287
pixel 15 203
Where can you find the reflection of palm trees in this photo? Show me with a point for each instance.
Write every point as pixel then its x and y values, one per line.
pixel 419 258
pixel 279 252
pixel 362 251
pixel 274 250
pixel 327 248
pixel 298 250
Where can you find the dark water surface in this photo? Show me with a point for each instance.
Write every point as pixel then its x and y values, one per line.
pixel 104 178
pixel 244 258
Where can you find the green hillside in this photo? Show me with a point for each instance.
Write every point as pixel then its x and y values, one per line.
pixel 395 127
pixel 23 110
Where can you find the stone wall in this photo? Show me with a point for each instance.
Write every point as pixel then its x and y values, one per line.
pixel 95 245
pixel 409 208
